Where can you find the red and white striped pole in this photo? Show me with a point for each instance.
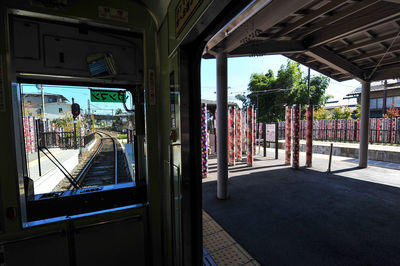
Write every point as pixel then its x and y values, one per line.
pixel 288 134
pixel 309 136
pixel 296 136
pixel 250 136
pixel 238 135
pixel 204 141
pixel 231 136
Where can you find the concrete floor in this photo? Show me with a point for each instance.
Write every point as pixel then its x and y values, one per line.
pixel 283 216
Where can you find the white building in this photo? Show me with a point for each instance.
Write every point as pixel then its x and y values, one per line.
pixel 55 105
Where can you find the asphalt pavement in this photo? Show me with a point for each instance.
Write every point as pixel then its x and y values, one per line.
pixel 283 216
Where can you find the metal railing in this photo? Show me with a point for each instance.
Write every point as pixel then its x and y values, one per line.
pixel 347 134
pixel 63 140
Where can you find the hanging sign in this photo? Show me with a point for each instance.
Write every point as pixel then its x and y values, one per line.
pixel 270 132
pixel 107 96
pixel 113 13
pixel 183 12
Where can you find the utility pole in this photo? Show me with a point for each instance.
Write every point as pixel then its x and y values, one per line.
pixel 40 87
pixel 384 109
pixel 74 121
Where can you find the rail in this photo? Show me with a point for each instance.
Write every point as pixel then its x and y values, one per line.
pixel 90 162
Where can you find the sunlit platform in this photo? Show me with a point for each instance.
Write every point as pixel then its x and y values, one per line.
pixel 308 216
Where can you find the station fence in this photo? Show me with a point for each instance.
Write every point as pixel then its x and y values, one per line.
pixel 381 130
pixel 51 136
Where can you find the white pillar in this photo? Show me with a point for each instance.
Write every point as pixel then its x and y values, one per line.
pixel 222 125
pixel 363 151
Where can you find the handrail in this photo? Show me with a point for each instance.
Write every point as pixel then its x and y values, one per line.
pixel 70 178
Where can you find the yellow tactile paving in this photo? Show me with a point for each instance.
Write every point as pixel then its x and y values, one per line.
pixel 210 227
pixel 217 241
pixel 221 246
pixel 230 256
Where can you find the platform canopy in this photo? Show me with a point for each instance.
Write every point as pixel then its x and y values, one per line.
pixel 343 39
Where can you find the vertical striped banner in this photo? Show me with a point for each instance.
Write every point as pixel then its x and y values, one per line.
pixel 309 135
pixel 204 150
pixel 393 135
pixel 296 136
pixel 238 135
pixel 288 134
pixel 32 133
pixel 250 136
pixel 231 136
pixel 260 131
pixel 244 131
pixel 254 130
pixel 82 136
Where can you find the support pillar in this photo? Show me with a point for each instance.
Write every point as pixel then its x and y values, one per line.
pixel 204 141
pixel 288 134
pixel 231 138
pixel 296 136
pixel 222 125
pixel 238 135
pixel 363 151
pixel 250 136
pixel 309 136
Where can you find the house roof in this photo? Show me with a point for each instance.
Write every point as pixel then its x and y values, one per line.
pixel 38 94
pixel 379 87
pixel 350 102
pixel 214 103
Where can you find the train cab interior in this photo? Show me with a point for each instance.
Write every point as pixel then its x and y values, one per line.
pixel 141 58
pixel 79 51
pixel 92 63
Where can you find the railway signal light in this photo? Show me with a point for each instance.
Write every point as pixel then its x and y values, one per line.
pixel 75 109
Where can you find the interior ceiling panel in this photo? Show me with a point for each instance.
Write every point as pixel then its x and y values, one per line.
pixel 342 39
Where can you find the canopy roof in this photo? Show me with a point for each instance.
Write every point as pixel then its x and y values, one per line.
pixel 340 38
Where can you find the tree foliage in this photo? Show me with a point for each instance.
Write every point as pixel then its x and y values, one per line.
pixel 341 112
pixel 272 93
pixel 66 122
pixel 391 112
pixel 322 113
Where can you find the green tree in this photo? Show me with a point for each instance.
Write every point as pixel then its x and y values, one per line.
pixel 243 99
pixel 321 113
pixel 357 112
pixel 118 111
pixel 341 112
pixel 271 94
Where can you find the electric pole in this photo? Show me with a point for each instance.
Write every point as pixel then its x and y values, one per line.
pixel 40 87
pixel 74 121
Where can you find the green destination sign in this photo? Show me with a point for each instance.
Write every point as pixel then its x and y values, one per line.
pixel 106 96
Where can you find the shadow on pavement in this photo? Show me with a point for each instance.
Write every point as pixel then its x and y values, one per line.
pixel 306 217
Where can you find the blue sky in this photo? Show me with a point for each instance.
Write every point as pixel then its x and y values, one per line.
pixel 239 72
pixel 241 68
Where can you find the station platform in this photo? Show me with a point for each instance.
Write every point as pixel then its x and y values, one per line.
pixel 283 216
pixel 50 174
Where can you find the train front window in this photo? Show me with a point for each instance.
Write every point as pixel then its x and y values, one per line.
pixel 78 141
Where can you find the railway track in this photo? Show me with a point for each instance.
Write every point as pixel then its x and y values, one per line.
pixel 106 166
